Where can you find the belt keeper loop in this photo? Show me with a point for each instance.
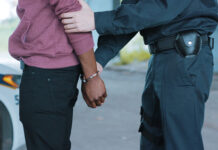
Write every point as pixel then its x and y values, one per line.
pixel 211 42
pixel 153 47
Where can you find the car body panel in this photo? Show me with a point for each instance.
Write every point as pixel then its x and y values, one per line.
pixel 10 99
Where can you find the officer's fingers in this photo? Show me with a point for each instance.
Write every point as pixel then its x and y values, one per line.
pixel 99 67
pixel 72 30
pixel 68 21
pixel 70 26
pixel 68 15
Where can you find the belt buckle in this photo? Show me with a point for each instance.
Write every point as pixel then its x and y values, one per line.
pixel 211 43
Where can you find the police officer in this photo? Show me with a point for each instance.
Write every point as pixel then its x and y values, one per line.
pixel 180 70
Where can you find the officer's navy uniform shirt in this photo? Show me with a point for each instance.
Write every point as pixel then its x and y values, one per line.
pixel 154 19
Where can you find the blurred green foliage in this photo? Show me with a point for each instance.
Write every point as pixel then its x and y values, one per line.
pixel 135 50
pixel 6 29
pixel 129 57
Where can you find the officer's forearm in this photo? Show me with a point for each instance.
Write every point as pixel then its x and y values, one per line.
pixel 138 15
pixel 110 45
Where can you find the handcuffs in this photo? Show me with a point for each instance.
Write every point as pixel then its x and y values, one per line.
pixel 85 80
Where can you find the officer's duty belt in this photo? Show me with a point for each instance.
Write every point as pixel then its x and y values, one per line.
pixel 167 43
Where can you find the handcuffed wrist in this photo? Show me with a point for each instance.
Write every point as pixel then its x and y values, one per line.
pixel 85 80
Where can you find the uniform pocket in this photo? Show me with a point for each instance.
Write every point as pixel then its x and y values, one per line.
pixel 205 75
pixel 187 70
pixel 208 56
pixel 191 68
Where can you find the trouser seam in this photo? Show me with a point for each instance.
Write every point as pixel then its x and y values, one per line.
pixel 163 101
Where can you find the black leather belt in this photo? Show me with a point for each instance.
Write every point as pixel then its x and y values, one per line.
pixel 168 43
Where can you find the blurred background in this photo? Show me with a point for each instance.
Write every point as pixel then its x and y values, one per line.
pixel 114 125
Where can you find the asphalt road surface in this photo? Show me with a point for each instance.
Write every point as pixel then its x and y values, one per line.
pixel 114 125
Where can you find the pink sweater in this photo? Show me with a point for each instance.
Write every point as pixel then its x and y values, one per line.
pixel 40 40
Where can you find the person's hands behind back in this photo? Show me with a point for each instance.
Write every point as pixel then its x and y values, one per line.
pixel 94 92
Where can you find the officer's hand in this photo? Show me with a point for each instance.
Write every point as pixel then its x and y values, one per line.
pixel 94 92
pixel 99 67
pixel 79 21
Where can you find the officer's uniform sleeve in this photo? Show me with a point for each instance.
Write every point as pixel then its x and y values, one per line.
pixel 138 15
pixel 110 45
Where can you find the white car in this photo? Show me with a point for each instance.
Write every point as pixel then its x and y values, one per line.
pixel 11 129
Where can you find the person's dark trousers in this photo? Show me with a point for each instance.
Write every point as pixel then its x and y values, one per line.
pixel 174 99
pixel 47 98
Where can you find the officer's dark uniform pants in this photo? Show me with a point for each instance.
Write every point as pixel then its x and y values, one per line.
pixel 47 97
pixel 173 101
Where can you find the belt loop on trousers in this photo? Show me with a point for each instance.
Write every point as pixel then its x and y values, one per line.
pixel 153 47
pixel 211 42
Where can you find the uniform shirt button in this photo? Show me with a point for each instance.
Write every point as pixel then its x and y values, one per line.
pixel 49 79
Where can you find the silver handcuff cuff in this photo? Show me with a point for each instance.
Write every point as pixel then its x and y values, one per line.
pixel 85 80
